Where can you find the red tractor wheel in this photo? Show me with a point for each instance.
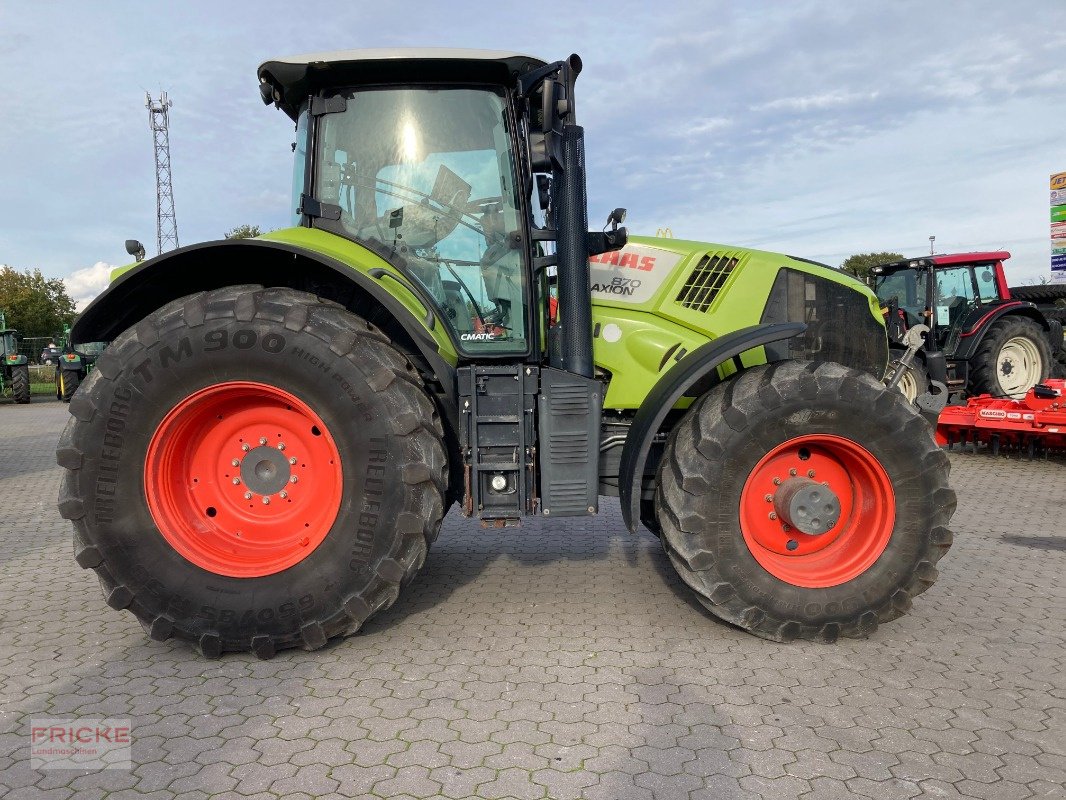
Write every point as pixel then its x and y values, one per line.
pixel 817 511
pixel 252 469
pixel 804 500
pixel 243 479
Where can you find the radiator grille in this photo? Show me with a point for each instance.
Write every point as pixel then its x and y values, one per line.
pixel 706 281
pixel 840 326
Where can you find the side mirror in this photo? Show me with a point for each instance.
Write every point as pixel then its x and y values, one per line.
pixel 135 249
pixel 616 218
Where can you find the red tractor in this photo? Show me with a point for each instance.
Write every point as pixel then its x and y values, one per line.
pixel 980 339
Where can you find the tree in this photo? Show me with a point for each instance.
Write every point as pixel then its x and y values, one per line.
pixel 244 232
pixel 860 264
pixel 35 305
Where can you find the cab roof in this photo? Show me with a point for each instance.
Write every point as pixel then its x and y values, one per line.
pixel 293 78
pixel 943 260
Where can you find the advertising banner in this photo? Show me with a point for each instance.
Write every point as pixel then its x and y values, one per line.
pixel 1058 227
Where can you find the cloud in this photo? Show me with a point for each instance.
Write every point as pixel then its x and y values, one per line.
pixel 816 101
pixel 705 125
pixel 817 127
pixel 84 284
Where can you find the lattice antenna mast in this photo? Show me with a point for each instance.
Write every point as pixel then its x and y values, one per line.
pixel 166 222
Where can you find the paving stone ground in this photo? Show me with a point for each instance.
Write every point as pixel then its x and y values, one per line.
pixel 560 660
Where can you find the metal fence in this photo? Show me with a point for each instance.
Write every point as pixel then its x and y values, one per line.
pixel 33 347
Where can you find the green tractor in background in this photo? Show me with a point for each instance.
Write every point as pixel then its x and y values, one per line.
pixel 15 370
pixel 266 450
pixel 74 366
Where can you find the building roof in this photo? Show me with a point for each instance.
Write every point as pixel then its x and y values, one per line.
pixel 293 78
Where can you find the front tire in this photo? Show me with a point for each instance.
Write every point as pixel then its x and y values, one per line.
pixel 915 381
pixel 1014 356
pixel 745 451
pixel 20 384
pixel 186 539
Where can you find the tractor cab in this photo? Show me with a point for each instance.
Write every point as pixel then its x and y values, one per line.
pixel 8 341
pixel 9 344
pixel 432 169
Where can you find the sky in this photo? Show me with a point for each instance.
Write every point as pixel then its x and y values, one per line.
pixel 812 127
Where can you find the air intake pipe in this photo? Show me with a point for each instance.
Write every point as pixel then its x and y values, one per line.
pixel 565 146
pixel 571 221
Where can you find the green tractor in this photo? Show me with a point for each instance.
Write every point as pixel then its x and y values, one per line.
pixel 15 369
pixel 74 366
pixel 266 450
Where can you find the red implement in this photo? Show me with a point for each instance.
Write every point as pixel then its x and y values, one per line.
pixel 1037 421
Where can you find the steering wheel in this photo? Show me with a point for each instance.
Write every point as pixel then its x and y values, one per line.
pixel 419 200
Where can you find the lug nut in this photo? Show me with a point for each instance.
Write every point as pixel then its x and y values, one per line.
pixel 792 472
pixel 235 462
pixel 769 498
pixel 246 447
pixel 293 479
pixel 281 445
pixel 810 473
pixel 236 481
pixel 773 515
pixel 292 460
pixel 266 501
pixel 777 481
pixel 247 495
pixel 283 494
pixel 262 440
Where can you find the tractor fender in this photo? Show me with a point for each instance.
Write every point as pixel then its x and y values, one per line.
pixel 156 282
pixel 670 388
pixel 971 339
pixel 17 361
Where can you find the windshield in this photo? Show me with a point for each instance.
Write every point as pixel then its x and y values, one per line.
pixel 427 175
pixel 299 165
pixel 908 288
pixel 91 348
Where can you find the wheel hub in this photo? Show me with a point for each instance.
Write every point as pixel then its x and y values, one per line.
pixel 265 470
pixel 807 506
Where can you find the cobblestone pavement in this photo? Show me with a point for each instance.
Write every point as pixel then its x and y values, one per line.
pixel 559 660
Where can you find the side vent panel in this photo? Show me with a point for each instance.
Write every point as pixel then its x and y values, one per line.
pixel 569 419
pixel 707 280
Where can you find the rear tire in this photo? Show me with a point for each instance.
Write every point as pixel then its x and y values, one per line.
pixel 68 382
pixel 1014 356
pixel 20 383
pixel 1046 293
pixel 285 359
pixel 712 477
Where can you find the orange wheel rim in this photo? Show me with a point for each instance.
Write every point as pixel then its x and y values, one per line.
pixel 817 511
pixel 243 479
